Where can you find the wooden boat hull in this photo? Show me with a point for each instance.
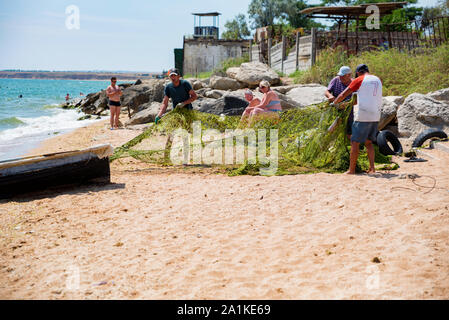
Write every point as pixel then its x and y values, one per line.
pixel 39 173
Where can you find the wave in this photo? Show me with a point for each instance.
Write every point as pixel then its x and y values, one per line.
pixel 13 121
pixel 42 127
pixel 52 106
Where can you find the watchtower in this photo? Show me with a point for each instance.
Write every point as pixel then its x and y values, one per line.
pixel 201 31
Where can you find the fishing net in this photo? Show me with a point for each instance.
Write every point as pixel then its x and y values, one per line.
pixel 311 139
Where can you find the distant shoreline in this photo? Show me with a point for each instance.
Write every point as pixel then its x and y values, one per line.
pixel 60 75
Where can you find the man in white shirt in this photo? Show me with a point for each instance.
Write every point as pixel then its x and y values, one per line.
pixel 366 114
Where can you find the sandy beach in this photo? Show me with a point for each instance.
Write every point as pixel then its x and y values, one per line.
pixel 161 233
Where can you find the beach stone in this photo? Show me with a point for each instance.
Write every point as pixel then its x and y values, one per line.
pixel 202 92
pixel 101 104
pixel 420 112
pixel 285 89
pixel 214 94
pixel 198 85
pixel 200 102
pixel 251 73
pixel 441 95
pixel 148 114
pixel 136 96
pixel 232 72
pixel 389 110
pixel 224 83
pixel 287 102
pixel 227 105
pixel 138 82
pixel 87 103
pixel 127 85
pixel 307 94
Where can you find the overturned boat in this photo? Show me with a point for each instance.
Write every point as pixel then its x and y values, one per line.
pixel 56 169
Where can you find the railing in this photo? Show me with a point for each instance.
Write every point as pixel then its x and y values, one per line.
pixel 299 51
pixel 404 36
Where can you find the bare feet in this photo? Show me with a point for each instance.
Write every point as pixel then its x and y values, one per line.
pixel 371 171
pixel 349 172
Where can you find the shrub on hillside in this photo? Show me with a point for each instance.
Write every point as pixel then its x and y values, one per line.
pixel 402 72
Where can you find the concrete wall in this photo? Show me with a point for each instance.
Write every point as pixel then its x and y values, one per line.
pixel 205 55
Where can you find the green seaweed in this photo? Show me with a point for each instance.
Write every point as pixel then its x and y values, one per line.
pixel 305 144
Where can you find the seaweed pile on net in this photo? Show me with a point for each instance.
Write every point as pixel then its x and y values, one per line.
pixel 304 142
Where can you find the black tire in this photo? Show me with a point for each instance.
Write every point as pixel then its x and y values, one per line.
pixel 426 135
pixel 383 138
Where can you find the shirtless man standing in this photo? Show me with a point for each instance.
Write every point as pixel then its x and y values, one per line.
pixel 114 93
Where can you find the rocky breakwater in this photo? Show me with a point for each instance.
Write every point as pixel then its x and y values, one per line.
pixel 224 94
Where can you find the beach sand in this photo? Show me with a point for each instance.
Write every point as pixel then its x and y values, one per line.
pixel 160 233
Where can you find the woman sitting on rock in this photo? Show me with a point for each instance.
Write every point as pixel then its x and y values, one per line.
pixel 270 105
pixel 249 96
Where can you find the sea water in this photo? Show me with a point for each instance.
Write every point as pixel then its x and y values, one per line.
pixel 36 116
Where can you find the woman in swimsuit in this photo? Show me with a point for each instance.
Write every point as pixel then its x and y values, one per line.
pixel 270 105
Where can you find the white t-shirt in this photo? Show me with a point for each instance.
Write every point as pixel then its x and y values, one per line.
pixel 369 98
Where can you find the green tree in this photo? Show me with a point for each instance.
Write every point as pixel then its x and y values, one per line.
pixel 265 12
pixel 291 11
pixel 269 12
pixel 236 29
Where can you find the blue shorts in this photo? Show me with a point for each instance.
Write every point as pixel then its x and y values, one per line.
pixel 362 131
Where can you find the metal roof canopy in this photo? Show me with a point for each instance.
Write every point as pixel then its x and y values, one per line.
pixel 347 13
pixel 351 12
pixel 208 14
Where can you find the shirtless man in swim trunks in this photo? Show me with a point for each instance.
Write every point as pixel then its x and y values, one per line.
pixel 114 93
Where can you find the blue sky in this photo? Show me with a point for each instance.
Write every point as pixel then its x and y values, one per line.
pixel 133 35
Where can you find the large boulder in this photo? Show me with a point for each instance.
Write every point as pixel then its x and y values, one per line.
pixel 251 73
pixel 224 83
pixel 441 95
pixel 147 114
pixel 227 105
pixel 286 89
pixel 149 91
pixel 101 104
pixel 200 102
pixel 232 72
pixel 420 112
pixel 95 103
pixel 197 85
pixel 87 103
pixel 389 110
pixel 214 94
pixel 308 94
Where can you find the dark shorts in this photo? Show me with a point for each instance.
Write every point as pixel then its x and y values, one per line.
pixel 114 103
pixel 362 131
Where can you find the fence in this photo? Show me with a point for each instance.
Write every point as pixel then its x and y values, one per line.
pixel 289 56
pixel 284 58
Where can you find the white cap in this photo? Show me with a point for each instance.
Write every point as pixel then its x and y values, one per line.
pixel 344 71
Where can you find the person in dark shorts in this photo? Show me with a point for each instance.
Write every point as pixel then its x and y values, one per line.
pixel 366 114
pixel 114 92
pixel 180 91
